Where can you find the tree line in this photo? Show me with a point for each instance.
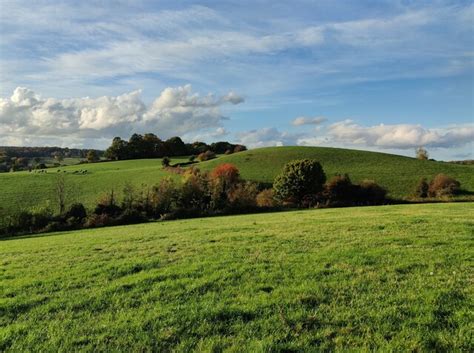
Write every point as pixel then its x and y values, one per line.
pixel 151 146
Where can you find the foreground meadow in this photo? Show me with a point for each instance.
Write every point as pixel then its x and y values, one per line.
pixel 374 278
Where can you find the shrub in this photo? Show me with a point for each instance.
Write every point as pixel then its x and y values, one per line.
pixel 422 154
pixel 226 172
pixel 443 185
pixel 243 196
pixel 221 180
pixel 298 179
pixel 77 211
pixel 165 162
pixel 194 192
pixel 340 190
pixel 164 196
pixel 107 205
pixel 205 156
pixel 265 198
pixel 422 188
pixel 239 148
pixel 371 193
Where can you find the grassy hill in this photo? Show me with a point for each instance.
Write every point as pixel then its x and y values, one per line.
pixel 388 278
pixel 25 189
pixel 398 174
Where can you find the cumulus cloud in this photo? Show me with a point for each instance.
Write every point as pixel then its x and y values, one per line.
pixel 400 136
pixel 267 137
pixel 303 120
pixel 176 111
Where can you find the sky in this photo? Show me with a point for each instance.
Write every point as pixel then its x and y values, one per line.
pixel 381 75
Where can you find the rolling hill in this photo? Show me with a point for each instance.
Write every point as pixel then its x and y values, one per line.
pixel 386 278
pixel 397 173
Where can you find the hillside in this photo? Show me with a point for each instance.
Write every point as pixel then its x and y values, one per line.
pixel 25 189
pixel 387 278
pixel 398 174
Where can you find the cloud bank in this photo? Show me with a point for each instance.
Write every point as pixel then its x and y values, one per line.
pixel 176 111
pixel 400 136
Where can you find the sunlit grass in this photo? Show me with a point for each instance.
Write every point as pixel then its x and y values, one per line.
pixel 389 278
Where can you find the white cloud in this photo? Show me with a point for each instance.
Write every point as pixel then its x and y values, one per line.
pixel 176 111
pixel 303 120
pixel 400 136
pixel 267 137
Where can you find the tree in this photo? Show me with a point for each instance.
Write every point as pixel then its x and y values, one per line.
pixel 422 154
pixel 60 192
pixel 422 188
pixel 118 150
pixel 92 156
pixel 299 179
pixel 176 147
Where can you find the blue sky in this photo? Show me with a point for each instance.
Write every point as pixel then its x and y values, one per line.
pixel 378 75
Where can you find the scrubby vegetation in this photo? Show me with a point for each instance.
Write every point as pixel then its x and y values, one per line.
pixel 382 279
pixel 221 191
pixel 397 174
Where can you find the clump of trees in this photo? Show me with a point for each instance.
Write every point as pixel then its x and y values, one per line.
pixel 440 186
pixel 303 183
pixel 151 146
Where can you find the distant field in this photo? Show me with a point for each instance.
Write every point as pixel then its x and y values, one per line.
pixel 25 189
pixel 396 173
pixel 387 278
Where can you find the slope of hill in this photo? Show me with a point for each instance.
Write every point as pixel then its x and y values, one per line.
pixel 387 278
pixel 398 174
pixel 25 189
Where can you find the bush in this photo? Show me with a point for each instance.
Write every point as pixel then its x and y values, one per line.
pixel 221 180
pixel 205 156
pixel 422 188
pixel 443 185
pixel 107 205
pixel 340 190
pixel 194 192
pixel 77 211
pixel 265 198
pixel 298 180
pixel 164 196
pixel 371 193
pixel 165 162
pixel 243 196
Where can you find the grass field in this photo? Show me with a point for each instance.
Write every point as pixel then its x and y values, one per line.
pixel 23 189
pixel 396 173
pixel 387 278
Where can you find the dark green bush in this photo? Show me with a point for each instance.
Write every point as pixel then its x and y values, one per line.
pixel 298 180
pixel 422 188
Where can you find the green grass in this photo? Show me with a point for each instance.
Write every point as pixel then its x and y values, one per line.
pixel 396 173
pixel 388 278
pixel 22 190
